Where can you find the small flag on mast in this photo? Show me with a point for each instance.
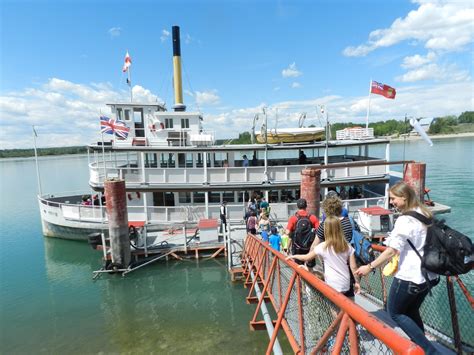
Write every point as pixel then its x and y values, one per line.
pixel 382 89
pixel 127 63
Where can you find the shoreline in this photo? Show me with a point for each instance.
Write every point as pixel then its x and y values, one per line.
pixel 437 136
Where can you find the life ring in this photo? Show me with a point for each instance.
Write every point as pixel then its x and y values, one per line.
pixel 156 125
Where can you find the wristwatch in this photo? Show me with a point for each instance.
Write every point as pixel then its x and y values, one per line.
pixel 371 267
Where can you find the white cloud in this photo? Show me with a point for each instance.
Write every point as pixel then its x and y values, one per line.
pixel 418 60
pixel 419 101
pixel 64 113
pixel 291 71
pixel 295 85
pixel 164 35
pixel 439 25
pixel 207 97
pixel 140 94
pixel 434 72
pixel 114 31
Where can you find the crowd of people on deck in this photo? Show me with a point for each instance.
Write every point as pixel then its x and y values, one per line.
pixel 332 234
pixel 93 200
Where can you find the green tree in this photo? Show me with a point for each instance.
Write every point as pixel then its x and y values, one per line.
pixel 466 117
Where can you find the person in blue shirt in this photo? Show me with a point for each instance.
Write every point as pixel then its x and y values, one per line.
pixel 275 239
pixel 264 235
pixel 245 161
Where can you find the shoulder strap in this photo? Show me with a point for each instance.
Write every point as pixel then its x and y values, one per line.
pixel 413 247
pixel 422 218
pixel 423 270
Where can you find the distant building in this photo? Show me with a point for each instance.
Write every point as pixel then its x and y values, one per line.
pixel 355 133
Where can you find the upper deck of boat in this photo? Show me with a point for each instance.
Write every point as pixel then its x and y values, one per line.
pixel 131 147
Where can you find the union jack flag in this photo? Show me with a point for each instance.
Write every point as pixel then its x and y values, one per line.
pixel 113 126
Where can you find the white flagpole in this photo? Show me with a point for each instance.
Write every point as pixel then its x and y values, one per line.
pixel 103 156
pixel 36 160
pixel 368 107
pixel 130 83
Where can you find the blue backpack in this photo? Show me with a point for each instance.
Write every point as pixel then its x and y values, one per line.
pixel 362 246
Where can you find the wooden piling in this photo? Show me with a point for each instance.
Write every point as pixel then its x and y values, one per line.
pixel 115 196
pixel 414 175
pixel 310 189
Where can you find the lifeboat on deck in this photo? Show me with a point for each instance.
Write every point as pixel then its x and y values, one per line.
pixel 291 135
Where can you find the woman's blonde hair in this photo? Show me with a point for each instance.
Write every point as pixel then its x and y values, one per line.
pixel 333 235
pixel 402 189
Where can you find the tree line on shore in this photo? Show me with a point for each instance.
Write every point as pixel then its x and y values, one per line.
pixel 440 125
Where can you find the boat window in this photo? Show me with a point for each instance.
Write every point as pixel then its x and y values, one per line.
pixel 127 115
pixel 185 123
pixel 189 160
pixel 228 196
pixel 167 160
pixel 185 197
pixel 198 197
pixel 287 196
pixel 169 199
pixel 181 160
pixel 150 160
pixel 199 163
pixel 168 123
pixel 219 159
pixel 199 160
pixel 119 113
pixel 283 154
pixel 214 197
pixel 138 115
pixel 243 196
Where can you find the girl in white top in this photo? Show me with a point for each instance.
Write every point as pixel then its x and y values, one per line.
pixel 336 253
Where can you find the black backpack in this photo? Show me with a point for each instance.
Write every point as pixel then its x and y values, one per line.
pixel 446 251
pixel 304 233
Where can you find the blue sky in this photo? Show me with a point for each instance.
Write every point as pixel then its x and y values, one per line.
pixel 61 61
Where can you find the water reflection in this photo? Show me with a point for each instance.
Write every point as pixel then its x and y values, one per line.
pixel 170 306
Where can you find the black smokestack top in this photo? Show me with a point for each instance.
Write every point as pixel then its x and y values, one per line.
pixel 176 42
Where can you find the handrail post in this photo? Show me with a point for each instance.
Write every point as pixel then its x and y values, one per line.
pixel 454 315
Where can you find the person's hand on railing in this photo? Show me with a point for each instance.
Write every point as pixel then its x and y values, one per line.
pixel 356 287
pixel 303 267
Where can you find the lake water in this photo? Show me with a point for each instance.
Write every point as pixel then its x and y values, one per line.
pixel 49 303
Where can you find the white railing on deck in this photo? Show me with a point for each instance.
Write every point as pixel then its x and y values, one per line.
pixel 186 213
pixel 256 174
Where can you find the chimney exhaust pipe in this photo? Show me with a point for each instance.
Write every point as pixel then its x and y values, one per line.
pixel 177 80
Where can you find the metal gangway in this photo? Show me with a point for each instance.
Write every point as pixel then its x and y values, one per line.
pixel 317 319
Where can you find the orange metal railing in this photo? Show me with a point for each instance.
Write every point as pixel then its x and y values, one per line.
pixel 315 317
pixel 447 313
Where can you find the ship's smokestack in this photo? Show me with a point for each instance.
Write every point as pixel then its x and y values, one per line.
pixel 178 89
